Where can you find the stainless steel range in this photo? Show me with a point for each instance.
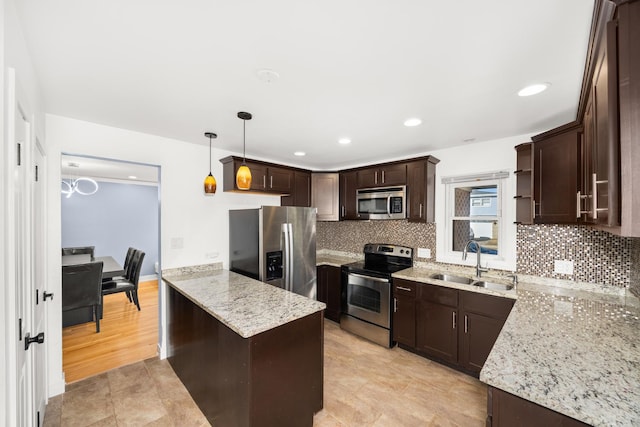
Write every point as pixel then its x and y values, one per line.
pixel 366 291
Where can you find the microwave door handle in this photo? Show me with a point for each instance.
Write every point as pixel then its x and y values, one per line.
pixel 389 205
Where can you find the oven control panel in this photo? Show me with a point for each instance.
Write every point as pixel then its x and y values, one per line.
pixel 387 249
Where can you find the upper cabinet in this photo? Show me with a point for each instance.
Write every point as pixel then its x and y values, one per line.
pixel 301 192
pixel 325 195
pixel 348 188
pixel 421 186
pixel 524 183
pixel 382 175
pixel 556 176
pixel 265 177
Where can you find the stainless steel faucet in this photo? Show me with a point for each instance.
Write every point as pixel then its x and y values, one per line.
pixel 479 269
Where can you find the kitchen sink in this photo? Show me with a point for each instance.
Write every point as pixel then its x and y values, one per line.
pixel 450 278
pixel 491 285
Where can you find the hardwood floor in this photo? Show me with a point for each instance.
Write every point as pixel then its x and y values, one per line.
pixel 126 336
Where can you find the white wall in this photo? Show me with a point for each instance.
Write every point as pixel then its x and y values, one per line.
pixel 186 213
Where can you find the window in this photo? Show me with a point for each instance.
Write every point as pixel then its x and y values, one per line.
pixel 474 217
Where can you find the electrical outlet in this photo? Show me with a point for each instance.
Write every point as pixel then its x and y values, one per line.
pixel 424 253
pixel 563 267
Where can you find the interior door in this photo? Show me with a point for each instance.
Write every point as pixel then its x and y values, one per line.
pixel 38 205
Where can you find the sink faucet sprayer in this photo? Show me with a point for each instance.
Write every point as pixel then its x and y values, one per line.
pixel 479 269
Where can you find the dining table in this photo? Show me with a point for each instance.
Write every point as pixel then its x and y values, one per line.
pixel 110 269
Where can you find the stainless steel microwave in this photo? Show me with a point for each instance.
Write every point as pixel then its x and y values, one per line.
pixel 381 203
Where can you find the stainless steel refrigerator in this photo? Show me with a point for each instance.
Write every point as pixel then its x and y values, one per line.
pixel 276 245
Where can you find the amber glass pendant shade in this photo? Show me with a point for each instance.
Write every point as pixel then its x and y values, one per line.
pixel 243 178
pixel 210 184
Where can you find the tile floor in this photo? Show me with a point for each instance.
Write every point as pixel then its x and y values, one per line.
pixel 364 385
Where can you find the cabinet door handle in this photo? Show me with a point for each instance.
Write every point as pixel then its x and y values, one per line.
pixel 594 202
pixel 342 209
pixel 383 177
pixel 578 203
pixel 466 324
pixel 420 216
pixel 453 320
pixel 264 181
pixel 376 177
pixel 271 181
pixel 395 305
pixel 402 288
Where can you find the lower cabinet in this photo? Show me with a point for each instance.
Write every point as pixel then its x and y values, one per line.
pixel 454 326
pixel 504 409
pixel 329 285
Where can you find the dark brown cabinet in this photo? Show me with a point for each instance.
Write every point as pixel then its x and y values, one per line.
pixel 329 285
pixel 383 175
pixel 506 410
pixel 437 322
pixel 265 177
pixel 556 176
pixel 301 192
pixel 481 317
pixel 404 312
pixel 450 325
pixel 348 188
pixel 421 185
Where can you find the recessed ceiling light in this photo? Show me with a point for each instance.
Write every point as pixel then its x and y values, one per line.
pixel 133 177
pixel 414 121
pixel 300 153
pixel 267 76
pixel 533 89
pixel 344 141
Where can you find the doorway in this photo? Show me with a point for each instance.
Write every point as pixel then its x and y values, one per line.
pixel 112 205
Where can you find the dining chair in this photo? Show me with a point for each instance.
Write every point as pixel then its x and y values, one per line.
pixel 82 287
pixel 79 250
pixel 130 283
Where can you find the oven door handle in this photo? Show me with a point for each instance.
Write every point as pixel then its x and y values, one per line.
pixel 374 279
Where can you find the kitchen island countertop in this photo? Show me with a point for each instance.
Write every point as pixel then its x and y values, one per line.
pixel 246 306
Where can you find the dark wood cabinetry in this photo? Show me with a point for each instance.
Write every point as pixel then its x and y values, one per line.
pixel 421 186
pixel 404 312
pixel 450 325
pixel 325 195
pixel 348 188
pixel 265 177
pixel 556 176
pixel 481 319
pixel 437 322
pixel 382 175
pixel 301 191
pixel 506 410
pixel 524 183
pixel 329 285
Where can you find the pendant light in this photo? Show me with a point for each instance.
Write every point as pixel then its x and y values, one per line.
pixel 243 176
pixel 210 182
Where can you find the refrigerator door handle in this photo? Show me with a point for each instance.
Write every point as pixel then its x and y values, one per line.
pixel 288 256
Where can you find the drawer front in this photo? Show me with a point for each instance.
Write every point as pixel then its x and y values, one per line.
pixel 488 305
pixel 439 295
pixel 404 288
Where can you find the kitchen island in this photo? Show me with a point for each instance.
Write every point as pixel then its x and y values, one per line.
pixel 250 354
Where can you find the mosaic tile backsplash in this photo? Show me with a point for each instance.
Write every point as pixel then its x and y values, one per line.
pixel 635 267
pixel 598 256
pixel 351 236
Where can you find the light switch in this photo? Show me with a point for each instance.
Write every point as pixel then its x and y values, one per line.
pixel 424 253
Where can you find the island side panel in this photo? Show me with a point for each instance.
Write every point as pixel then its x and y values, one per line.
pixel 211 361
pixel 287 373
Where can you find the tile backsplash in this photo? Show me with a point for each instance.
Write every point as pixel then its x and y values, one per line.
pixel 598 257
pixel 351 236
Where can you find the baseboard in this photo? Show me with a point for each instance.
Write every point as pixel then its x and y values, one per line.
pixel 148 278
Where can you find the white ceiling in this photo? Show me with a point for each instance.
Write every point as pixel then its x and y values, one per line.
pixel 348 68
pixel 107 170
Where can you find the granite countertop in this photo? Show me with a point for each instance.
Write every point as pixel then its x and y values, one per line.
pixel 575 352
pixel 246 306
pixel 336 258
